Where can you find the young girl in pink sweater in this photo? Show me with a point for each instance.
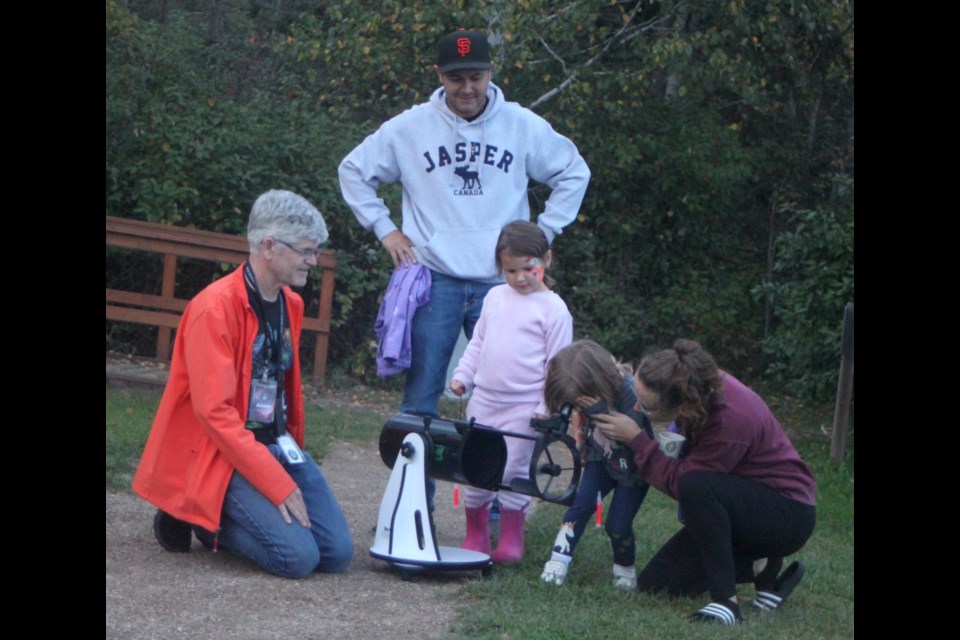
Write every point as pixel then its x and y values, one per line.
pixel 523 324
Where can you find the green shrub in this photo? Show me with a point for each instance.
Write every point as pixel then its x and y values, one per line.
pixel 811 284
pixel 711 129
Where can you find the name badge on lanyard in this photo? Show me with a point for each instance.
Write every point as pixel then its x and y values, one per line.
pixel 264 394
pixel 290 449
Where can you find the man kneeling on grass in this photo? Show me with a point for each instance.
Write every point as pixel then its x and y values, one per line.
pixel 224 458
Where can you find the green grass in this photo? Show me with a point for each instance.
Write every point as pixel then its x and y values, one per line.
pixel 326 425
pixel 513 605
pixel 129 414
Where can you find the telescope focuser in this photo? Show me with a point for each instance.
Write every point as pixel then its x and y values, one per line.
pixel 556 424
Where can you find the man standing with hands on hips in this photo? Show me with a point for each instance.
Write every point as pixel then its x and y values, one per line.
pixel 464 159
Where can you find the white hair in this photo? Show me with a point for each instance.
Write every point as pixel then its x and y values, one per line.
pixel 286 216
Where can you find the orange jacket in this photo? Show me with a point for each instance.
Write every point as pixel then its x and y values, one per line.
pixel 198 436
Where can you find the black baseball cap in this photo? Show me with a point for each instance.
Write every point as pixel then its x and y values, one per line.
pixel 463 50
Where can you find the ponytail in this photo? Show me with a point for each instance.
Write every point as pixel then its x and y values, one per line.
pixel 687 379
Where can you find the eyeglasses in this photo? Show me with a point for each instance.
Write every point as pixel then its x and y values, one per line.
pixel 306 254
pixel 649 410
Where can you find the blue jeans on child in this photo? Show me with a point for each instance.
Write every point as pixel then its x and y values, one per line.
pixel 252 526
pixel 455 304
pixel 623 509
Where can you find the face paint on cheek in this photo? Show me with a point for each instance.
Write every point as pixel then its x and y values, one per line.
pixel 535 268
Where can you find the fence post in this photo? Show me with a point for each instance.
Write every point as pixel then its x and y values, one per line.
pixel 841 415
pixel 168 290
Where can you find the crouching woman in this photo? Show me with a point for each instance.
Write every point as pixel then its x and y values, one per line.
pixel 746 498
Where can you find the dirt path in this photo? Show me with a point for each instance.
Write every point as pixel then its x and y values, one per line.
pixel 158 595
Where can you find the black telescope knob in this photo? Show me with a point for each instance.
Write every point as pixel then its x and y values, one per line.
pixel 406 450
pixel 551 469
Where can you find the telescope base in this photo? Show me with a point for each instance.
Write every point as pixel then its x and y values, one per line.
pixel 452 559
pixel 406 536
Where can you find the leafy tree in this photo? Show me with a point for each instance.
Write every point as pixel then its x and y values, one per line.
pixel 195 132
pixel 812 280
pixel 713 130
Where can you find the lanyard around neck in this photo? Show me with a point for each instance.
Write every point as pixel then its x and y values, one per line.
pixel 273 342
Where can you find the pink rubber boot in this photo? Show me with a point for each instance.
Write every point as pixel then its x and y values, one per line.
pixel 478 530
pixel 510 547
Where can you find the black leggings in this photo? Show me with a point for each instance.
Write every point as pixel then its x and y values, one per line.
pixel 729 523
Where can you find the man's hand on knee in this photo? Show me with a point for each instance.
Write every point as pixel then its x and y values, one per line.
pixel 296 507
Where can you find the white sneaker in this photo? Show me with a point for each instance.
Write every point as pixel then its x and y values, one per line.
pixel 554 572
pixel 624 577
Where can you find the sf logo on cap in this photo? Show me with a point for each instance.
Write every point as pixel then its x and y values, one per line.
pixel 463 46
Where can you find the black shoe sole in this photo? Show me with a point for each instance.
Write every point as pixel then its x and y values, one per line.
pixel 789 579
pixel 173 535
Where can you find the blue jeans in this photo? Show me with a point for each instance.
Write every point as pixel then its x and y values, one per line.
pixel 623 509
pixel 455 304
pixel 252 526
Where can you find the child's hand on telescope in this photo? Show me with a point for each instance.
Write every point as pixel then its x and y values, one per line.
pixel 589 405
pixel 585 401
pixel 457 388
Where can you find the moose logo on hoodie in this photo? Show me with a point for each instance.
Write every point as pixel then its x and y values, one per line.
pixel 491 156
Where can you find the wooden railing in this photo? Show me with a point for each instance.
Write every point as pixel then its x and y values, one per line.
pixel 164 311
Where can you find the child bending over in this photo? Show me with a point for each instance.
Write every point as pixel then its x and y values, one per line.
pixel 587 376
